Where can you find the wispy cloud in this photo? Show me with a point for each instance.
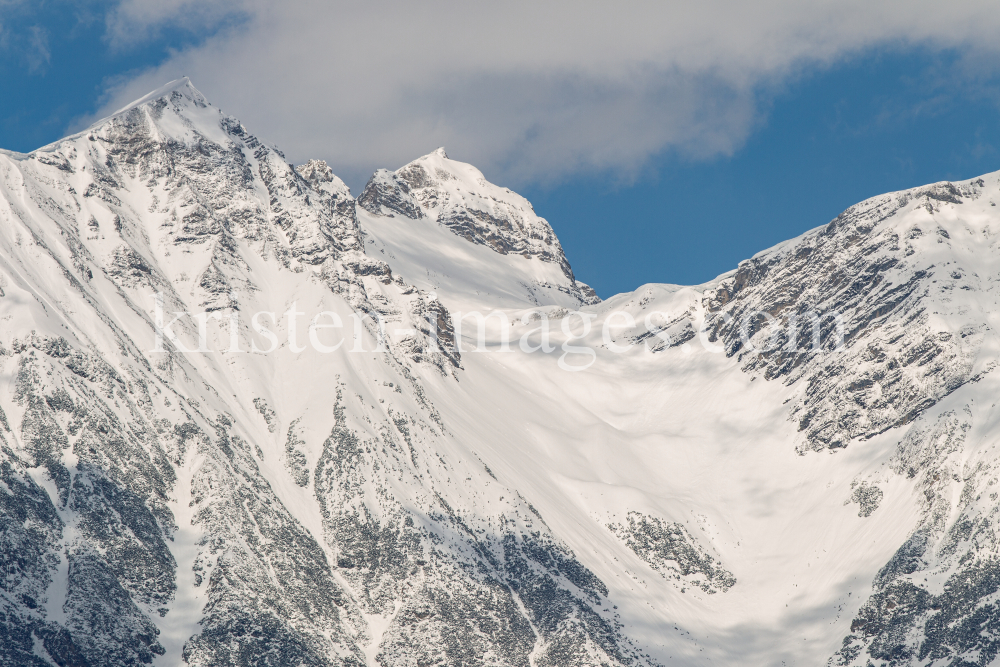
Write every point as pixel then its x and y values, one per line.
pixel 525 90
pixel 37 53
pixel 23 37
pixel 133 21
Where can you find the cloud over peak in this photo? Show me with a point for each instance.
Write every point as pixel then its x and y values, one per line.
pixel 524 90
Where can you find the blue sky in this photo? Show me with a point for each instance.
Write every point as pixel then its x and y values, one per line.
pixel 652 164
pixel 833 138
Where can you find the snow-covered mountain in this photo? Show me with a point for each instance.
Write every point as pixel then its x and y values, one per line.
pixel 793 464
pixel 457 224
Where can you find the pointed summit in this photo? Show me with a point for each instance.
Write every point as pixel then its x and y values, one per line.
pixel 177 111
pixel 183 86
pixel 178 89
pixel 181 92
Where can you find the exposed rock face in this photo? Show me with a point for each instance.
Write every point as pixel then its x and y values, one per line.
pixel 935 599
pixel 322 179
pixel 859 288
pixel 457 590
pixel 385 194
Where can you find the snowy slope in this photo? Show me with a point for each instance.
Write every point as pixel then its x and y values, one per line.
pixel 442 225
pixel 698 498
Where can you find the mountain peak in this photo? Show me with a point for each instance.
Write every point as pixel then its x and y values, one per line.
pixel 465 220
pixel 436 168
pixel 182 86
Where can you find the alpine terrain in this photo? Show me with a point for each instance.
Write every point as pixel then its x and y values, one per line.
pixel 251 419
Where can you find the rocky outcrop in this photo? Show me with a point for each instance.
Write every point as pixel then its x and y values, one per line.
pixel 671 551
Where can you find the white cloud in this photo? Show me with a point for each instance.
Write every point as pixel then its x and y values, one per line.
pixel 524 90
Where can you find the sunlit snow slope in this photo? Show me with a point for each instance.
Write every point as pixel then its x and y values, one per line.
pixel 717 482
